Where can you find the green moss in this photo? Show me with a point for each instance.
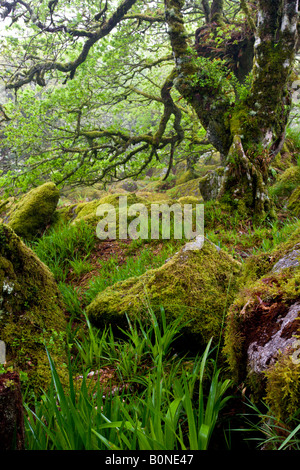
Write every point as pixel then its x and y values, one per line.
pixel 63 215
pixel 154 197
pixel 189 200
pixel 283 387
pixel 185 177
pixel 294 202
pixel 33 212
pixel 287 182
pixel 283 286
pixel 190 188
pixel 256 266
pixel 30 309
pixel 86 211
pixel 196 284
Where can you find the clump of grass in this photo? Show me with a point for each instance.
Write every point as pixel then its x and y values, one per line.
pixel 263 428
pixel 71 299
pixel 68 245
pixel 171 412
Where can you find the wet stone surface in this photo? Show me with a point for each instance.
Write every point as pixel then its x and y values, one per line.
pixel 263 354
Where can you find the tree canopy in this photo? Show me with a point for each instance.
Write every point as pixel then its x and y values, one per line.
pixel 103 90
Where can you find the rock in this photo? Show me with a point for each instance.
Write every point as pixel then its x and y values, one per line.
pixel 190 188
pixel 291 259
pixel 185 177
pixel 87 211
pixel 286 182
pixel 31 310
pixel 129 186
pixel 294 202
pixel 211 183
pixel 263 355
pixel 282 256
pixel 262 328
pixel 195 283
pixel 30 215
pixel 189 200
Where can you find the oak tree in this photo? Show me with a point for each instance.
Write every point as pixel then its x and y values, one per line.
pixel 133 83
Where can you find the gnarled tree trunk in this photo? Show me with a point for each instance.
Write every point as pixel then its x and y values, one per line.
pixel 250 131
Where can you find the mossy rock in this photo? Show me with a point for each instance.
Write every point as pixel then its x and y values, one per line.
pixel 5 206
pixel 31 311
pixel 80 194
pixel 294 202
pixel 261 331
pixel 87 211
pixel 210 184
pixel 196 284
pixel 189 200
pixel 31 214
pixel 190 188
pixel 185 177
pixel 154 197
pixel 129 185
pixel 286 182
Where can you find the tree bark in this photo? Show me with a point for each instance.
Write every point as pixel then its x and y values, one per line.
pixel 216 14
pixel 11 413
pixel 250 131
pixel 197 85
pixel 258 124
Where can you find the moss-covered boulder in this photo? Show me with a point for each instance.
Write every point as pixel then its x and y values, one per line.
pixel 130 186
pixel 186 176
pixel 262 327
pixel 286 182
pixel 196 284
pixel 87 211
pixel 31 214
pixel 131 202
pixel 210 184
pixel 294 202
pixel 190 188
pixel 31 312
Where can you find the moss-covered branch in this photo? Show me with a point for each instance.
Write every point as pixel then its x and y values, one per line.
pixel 201 86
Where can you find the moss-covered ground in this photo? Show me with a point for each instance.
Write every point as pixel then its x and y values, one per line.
pixel 143 276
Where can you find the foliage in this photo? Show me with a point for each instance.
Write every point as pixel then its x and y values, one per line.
pixel 150 420
pixel 64 246
pixel 271 434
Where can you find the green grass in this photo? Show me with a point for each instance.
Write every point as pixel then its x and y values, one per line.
pixel 113 272
pixel 65 247
pixel 253 240
pixel 267 432
pixel 170 411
